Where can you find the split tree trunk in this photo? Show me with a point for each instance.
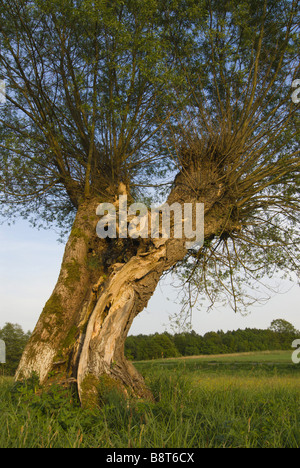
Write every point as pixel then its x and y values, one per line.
pixel 124 295
pixel 103 285
pixel 81 333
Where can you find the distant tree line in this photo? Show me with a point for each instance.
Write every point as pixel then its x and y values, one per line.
pixel 279 335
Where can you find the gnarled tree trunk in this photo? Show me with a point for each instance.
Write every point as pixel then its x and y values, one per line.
pixel 54 340
pixel 103 285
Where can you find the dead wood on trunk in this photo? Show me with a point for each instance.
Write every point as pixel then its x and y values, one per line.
pixel 103 285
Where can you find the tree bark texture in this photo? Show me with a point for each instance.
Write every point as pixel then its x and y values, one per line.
pixel 103 285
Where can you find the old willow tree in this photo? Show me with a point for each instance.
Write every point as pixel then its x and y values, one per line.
pixel 190 100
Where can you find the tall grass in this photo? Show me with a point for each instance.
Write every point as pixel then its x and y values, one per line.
pixel 215 406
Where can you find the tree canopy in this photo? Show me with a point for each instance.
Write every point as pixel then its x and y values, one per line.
pixel 86 93
pixel 240 114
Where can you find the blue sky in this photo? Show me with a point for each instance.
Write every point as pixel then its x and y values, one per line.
pixel 29 265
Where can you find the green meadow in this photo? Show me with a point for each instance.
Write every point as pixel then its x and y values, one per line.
pixel 250 400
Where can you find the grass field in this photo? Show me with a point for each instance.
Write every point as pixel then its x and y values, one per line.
pixel 250 400
pixel 255 357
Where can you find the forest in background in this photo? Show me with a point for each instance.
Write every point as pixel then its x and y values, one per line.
pixel 279 336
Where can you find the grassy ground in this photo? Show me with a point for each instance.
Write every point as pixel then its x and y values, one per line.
pixel 221 401
pixel 255 357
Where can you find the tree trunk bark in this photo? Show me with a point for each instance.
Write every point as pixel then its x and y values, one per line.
pixel 125 294
pixel 103 285
pixel 54 339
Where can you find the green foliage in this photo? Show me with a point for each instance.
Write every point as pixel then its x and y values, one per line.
pixel 283 327
pixel 144 347
pixel 150 347
pixel 87 86
pixel 244 57
pixel 284 331
pixel 15 340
